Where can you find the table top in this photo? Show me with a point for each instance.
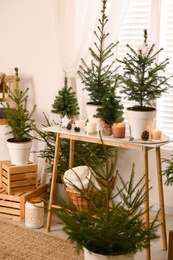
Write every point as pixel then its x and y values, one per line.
pixel 108 140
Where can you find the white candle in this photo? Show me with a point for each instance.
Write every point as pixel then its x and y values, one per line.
pixel 156 134
pixel 91 127
pixel 80 124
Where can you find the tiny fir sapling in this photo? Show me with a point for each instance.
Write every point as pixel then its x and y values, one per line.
pixel 65 102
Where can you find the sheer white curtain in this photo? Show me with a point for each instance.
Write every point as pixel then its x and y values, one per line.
pixel 76 21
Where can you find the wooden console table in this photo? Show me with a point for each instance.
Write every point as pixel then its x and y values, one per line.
pixel 144 146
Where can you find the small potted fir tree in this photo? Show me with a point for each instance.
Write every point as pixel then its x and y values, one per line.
pixel 111 226
pixel 65 104
pixel 110 112
pixel 143 82
pixel 21 123
pixel 100 78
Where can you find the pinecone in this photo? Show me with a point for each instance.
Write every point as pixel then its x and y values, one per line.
pixel 145 135
pixel 77 129
pixel 69 126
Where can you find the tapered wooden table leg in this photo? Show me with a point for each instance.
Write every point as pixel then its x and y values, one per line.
pixel 53 183
pixel 71 153
pixel 161 198
pixel 146 203
pixel 170 248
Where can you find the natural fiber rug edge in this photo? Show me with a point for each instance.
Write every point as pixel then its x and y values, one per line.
pixel 19 243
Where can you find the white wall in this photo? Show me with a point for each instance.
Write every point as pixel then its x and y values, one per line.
pixel 29 42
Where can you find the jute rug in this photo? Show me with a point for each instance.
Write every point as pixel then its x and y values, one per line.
pixel 19 243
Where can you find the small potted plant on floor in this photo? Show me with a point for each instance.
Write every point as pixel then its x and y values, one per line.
pixel 21 123
pixel 143 81
pixel 112 224
pixel 99 78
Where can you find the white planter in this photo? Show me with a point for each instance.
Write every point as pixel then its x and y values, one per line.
pixel 60 192
pixel 140 121
pixel 93 256
pixel 91 111
pixel 19 152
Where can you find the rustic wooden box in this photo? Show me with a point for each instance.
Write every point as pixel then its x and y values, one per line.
pixel 13 206
pixel 18 178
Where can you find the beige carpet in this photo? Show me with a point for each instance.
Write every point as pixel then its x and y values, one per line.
pixel 19 243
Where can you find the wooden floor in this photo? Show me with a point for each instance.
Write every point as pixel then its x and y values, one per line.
pixel 156 248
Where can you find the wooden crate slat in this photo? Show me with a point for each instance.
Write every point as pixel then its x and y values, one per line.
pixel 10 217
pixel 23 183
pixel 19 169
pixel 5 196
pixel 27 188
pixel 11 204
pixel 23 176
pixel 10 211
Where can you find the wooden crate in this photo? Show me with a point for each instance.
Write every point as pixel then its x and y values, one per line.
pixel 18 178
pixel 13 206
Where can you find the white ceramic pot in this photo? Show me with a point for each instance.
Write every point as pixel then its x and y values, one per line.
pixel 140 121
pixel 60 192
pixel 19 152
pixel 93 256
pixel 91 111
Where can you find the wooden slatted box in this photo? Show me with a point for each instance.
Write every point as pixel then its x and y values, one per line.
pixel 13 206
pixel 18 178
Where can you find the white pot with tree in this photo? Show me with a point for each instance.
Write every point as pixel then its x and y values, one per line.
pixel 21 123
pixel 100 78
pixel 143 81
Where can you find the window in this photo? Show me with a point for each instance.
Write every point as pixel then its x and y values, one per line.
pixel 157 17
pixel 165 104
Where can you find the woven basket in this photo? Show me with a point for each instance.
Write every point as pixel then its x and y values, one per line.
pixel 75 197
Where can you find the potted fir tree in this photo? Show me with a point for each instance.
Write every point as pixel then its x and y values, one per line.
pixel 100 78
pixel 21 123
pixel 143 82
pixel 110 112
pixel 65 104
pixel 111 226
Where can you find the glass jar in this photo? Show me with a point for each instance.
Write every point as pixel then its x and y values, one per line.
pixel 34 213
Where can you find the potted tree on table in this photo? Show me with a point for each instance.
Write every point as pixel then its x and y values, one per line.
pixel 65 104
pixel 108 228
pixel 100 78
pixel 143 82
pixel 21 123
